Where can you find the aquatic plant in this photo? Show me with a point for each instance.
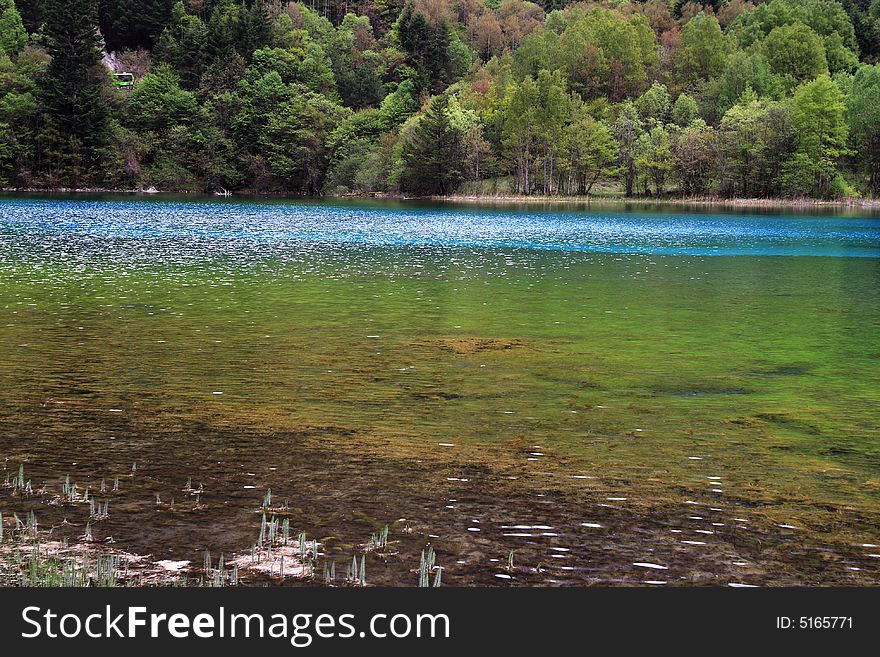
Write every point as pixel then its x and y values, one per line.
pixel 426 565
pixel 379 541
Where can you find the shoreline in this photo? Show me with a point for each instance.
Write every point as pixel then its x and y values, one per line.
pixel 488 199
pixel 671 201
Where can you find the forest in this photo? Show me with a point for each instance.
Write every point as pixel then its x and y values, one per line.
pixel 436 97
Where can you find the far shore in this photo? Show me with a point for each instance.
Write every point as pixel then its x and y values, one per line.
pixel 670 200
pixel 718 201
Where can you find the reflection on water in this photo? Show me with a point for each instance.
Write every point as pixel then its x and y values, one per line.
pixel 617 399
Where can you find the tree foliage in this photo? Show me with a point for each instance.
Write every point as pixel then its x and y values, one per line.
pixel 437 96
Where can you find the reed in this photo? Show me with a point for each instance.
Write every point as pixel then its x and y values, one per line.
pixel 426 566
pixel 379 541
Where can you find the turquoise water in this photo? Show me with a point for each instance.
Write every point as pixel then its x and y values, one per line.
pixel 665 233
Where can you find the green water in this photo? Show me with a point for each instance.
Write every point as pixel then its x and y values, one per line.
pixel 591 391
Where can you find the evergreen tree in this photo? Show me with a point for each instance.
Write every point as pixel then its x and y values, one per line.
pixel 426 47
pixel 182 45
pixel 30 13
pixel 432 154
pixel 130 24
pixel 74 141
pixel 12 32
pixel 257 28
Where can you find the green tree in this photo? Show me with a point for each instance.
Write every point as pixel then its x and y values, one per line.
pixel 295 140
pixel 863 116
pixel 432 152
pixel 75 141
pixel 654 159
pixel 628 129
pixel 827 18
pixel 744 70
pixel 818 115
pixel 552 114
pixel 795 52
pixel 654 105
pixel 685 111
pixel 520 131
pixel 696 152
pixel 754 137
pixel 12 33
pixel 426 46
pixel 703 51
pixel 590 153
pixel 131 24
pixel 159 102
pixel 30 14
pixel 182 45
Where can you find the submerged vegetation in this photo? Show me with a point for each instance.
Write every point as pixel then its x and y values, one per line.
pixel 31 555
pixel 729 98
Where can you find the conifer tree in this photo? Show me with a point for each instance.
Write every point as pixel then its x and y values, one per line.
pixel 130 24
pixel 433 153
pixel 75 139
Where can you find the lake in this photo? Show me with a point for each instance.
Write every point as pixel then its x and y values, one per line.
pixel 659 396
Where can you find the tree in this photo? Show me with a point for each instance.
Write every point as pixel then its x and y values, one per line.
pixel 625 48
pixel 295 140
pixel 685 111
pixel 863 116
pixel 654 159
pixel 132 24
pixel 654 104
pixel 590 153
pixel 12 32
pixel 30 13
pixel 552 113
pixel 818 111
pixel 426 47
pixel 754 137
pixel 703 51
pixel 432 154
pixel 627 130
pixel 76 137
pixel 159 102
pixel 743 71
pixel 520 131
pixel 696 153
pixel 827 18
pixel 182 45
pixel 355 65
pixel 795 52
